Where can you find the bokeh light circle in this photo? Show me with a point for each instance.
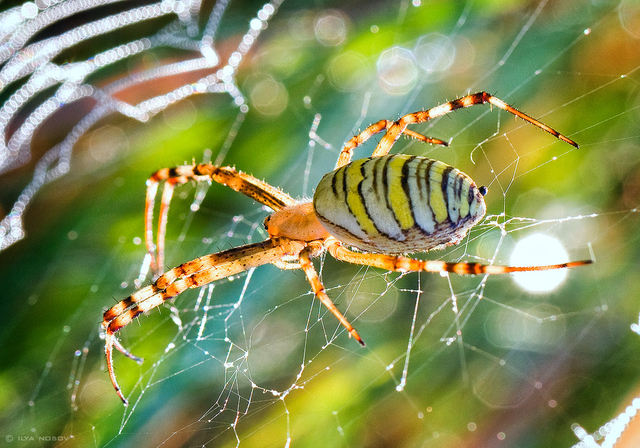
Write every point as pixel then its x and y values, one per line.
pixel 534 250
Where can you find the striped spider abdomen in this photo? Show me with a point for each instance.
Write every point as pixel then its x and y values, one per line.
pixel 398 204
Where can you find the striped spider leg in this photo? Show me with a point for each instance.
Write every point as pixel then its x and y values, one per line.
pixel 277 250
pixel 258 190
pixel 381 206
pixel 399 127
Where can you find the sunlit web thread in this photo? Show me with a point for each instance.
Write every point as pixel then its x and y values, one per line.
pixel 235 365
pixel 514 44
pixel 35 61
pixel 608 434
pixel 20 25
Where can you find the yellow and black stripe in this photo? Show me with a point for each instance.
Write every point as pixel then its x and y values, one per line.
pixel 398 203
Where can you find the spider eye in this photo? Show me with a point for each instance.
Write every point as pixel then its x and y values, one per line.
pixel 483 190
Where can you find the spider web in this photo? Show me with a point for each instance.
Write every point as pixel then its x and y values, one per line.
pixel 97 95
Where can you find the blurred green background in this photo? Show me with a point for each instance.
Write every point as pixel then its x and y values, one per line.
pixel 514 369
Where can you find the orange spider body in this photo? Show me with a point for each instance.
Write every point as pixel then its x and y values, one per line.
pixel 384 205
pixel 297 221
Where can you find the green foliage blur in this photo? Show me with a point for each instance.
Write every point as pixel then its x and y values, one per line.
pixel 574 356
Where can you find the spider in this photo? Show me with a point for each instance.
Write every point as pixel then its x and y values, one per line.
pixel 382 206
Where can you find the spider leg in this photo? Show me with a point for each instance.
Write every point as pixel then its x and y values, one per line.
pixel 171 177
pixel 288 264
pixel 124 351
pixel 357 140
pixel 110 342
pixel 193 274
pixel 405 264
pixel 321 294
pixel 243 183
pixel 167 194
pixel 397 128
pixel 152 190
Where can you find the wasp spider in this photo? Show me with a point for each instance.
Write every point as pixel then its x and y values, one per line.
pixel 383 206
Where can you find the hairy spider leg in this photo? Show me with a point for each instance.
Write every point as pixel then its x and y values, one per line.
pixel 152 190
pixel 156 252
pixel 405 264
pixel 321 294
pixel 193 274
pixel 256 189
pixel 347 150
pixel 399 127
